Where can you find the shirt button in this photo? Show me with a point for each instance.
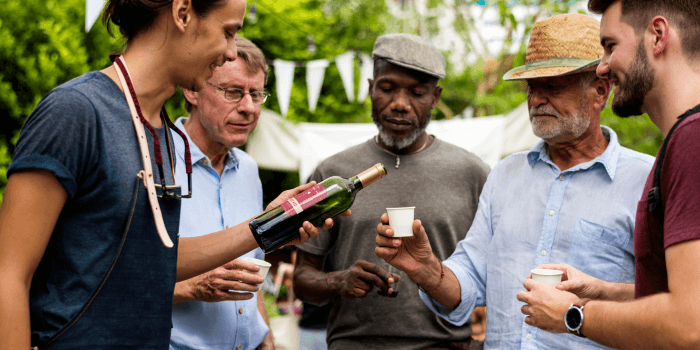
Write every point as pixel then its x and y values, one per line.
pixel 240 311
pixel 544 252
pixel 205 162
pixel 561 177
pixel 528 336
pixel 552 212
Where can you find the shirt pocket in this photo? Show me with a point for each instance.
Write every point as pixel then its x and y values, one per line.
pixel 597 250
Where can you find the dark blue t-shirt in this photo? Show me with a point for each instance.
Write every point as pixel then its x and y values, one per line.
pixel 105 281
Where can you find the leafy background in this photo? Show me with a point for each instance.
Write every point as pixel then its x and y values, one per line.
pixel 43 44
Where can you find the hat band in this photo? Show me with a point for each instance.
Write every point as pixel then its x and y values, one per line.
pixel 557 62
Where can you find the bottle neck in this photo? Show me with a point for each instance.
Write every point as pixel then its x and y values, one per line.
pixel 368 176
pixel 355 183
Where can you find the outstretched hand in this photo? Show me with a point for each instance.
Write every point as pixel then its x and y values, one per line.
pixel 236 280
pixel 307 230
pixel 575 281
pixel 408 254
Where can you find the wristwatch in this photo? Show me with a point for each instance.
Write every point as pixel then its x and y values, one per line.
pixel 573 319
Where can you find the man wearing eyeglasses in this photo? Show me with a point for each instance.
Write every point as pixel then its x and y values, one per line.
pixel 221 308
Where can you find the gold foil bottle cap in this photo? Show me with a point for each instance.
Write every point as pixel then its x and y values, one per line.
pixel 372 174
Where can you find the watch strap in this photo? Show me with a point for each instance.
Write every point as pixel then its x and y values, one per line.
pixel 579 305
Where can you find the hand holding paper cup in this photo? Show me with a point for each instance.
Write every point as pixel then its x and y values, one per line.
pixel 401 220
pixel 263 265
pixel 550 277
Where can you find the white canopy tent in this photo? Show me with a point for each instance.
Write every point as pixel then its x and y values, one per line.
pixel 282 145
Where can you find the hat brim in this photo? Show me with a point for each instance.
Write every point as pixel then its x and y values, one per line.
pixel 553 67
pixel 413 67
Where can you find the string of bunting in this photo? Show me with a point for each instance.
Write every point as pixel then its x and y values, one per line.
pixel 315 73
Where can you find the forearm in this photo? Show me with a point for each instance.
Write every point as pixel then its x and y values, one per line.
pixel 183 293
pixel 655 322
pixel 445 290
pixel 197 255
pixel 15 330
pixel 314 286
pixel 617 291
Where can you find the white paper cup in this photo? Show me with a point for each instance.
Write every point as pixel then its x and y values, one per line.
pixel 401 220
pixel 550 277
pixel 262 264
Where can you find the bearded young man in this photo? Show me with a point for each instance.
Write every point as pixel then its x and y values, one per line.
pixel 571 198
pixel 651 51
pixel 441 180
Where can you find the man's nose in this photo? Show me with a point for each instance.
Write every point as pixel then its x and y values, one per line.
pixel 603 69
pixel 537 96
pixel 401 102
pixel 246 105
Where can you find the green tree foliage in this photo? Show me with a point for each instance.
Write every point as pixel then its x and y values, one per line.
pixel 283 30
pixel 42 45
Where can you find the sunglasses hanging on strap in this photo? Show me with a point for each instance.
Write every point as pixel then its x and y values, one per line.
pixel 147 173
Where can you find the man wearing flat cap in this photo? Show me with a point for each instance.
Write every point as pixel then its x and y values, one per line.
pixel 440 180
pixel 571 199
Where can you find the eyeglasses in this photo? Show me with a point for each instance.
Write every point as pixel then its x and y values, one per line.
pixel 235 95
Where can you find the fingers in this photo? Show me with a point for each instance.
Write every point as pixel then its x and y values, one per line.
pixel 240 264
pixel 345 213
pixel 384 219
pixel 227 296
pixel 522 296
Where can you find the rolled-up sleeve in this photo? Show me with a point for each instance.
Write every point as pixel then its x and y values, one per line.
pixel 468 263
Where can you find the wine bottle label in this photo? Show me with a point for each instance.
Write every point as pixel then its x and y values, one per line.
pixel 304 200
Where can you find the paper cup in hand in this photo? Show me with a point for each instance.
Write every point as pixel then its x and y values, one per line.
pixel 550 277
pixel 401 220
pixel 263 265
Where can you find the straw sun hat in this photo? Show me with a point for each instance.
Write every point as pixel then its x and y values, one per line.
pixel 560 45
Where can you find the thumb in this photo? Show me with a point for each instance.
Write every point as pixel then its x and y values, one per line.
pixel 568 286
pixel 419 231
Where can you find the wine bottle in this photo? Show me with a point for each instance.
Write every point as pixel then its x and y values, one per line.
pixel 280 225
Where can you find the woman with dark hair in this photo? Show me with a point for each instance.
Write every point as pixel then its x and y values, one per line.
pixel 82 264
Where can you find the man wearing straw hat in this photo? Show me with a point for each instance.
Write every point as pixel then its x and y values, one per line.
pixel 570 199
pixel 651 55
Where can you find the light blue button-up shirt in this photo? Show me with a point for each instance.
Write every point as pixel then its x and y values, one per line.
pixel 217 203
pixel 531 213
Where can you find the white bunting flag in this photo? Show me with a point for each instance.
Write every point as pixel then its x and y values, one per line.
pixel 93 8
pixel 345 63
pixel 366 73
pixel 284 76
pixel 315 70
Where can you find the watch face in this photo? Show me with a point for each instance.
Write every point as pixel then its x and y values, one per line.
pixel 573 318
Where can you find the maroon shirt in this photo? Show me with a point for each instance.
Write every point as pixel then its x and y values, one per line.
pixel 680 193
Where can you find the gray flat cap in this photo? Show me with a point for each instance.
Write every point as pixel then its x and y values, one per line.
pixel 410 51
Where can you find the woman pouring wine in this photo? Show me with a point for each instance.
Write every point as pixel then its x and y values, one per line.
pixel 89 249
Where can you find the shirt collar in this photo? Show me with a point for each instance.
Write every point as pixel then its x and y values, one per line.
pixel 198 157
pixel 608 159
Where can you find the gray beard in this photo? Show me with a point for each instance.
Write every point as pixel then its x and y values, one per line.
pixel 399 144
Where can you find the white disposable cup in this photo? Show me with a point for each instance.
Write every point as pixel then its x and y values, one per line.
pixel 550 277
pixel 401 220
pixel 262 264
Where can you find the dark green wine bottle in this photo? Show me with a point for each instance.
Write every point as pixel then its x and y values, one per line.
pixel 280 225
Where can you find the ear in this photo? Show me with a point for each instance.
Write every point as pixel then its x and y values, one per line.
pixel 436 96
pixel 602 92
pixel 190 95
pixel 182 14
pixel 659 30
